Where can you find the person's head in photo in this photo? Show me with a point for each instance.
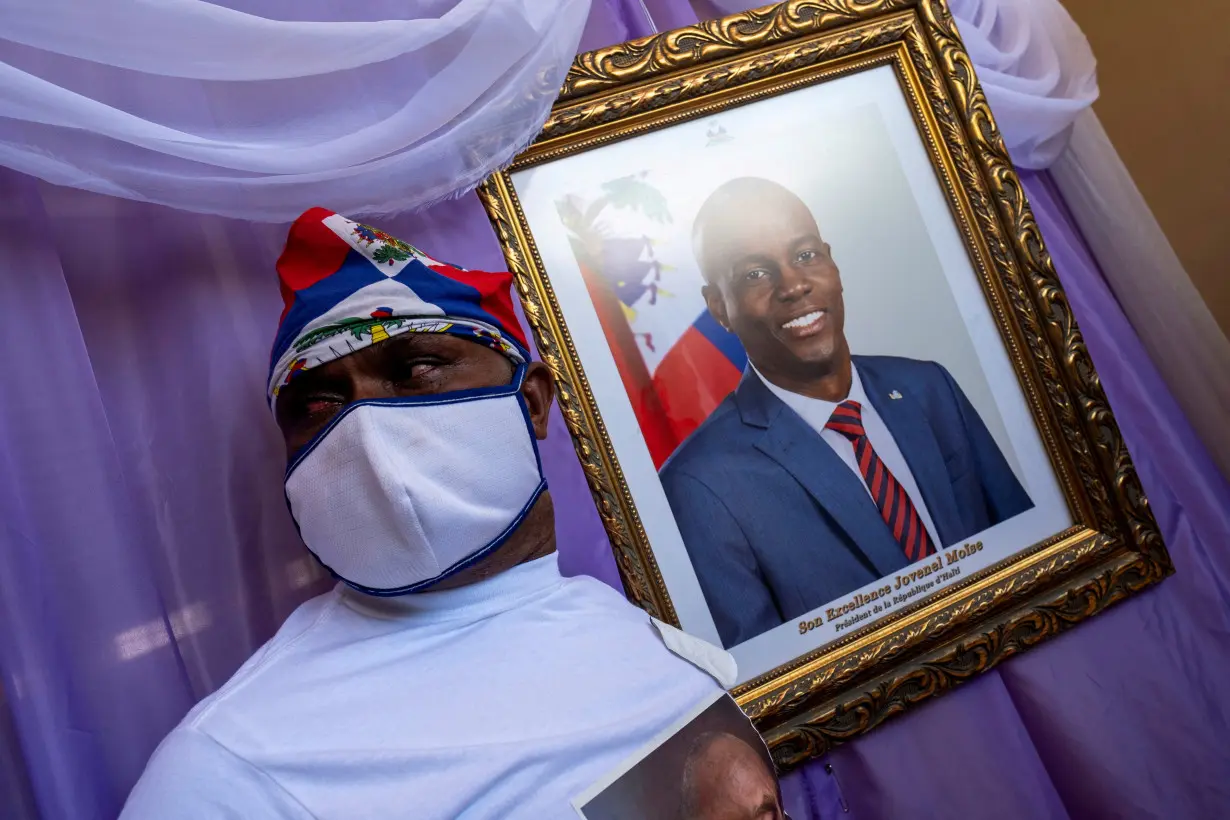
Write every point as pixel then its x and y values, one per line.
pixel 724 778
pixel 770 279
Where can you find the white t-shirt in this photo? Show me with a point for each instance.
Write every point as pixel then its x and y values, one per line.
pixel 817 412
pixel 502 699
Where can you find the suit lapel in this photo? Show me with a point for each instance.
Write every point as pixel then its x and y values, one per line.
pixel 907 421
pixel 794 445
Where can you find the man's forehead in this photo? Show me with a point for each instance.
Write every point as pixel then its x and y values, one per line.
pixel 727 752
pixel 757 237
pixel 752 217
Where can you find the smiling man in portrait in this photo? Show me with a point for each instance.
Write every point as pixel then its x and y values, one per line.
pixel 822 471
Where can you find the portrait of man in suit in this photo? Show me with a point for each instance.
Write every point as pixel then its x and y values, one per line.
pixel 822 471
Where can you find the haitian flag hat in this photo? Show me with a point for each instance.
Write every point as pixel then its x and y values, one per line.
pixel 346 286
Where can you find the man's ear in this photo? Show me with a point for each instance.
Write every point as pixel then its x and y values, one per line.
pixel 716 304
pixel 539 390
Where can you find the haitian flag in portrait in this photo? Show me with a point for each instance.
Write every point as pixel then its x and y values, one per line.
pixel 676 362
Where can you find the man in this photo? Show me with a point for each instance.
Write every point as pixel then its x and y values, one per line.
pixel 726 779
pixel 454 672
pixel 822 471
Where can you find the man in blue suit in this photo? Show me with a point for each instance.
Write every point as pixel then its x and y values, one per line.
pixel 822 472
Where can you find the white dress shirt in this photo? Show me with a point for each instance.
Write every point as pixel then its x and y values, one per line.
pixel 817 412
pixel 501 700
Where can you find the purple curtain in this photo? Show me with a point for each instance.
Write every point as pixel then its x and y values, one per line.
pixel 145 548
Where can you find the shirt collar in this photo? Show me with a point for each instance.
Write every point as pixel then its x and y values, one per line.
pixel 806 406
pixel 482 599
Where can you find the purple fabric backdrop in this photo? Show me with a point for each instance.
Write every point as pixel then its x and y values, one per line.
pixel 147 551
pixel 145 548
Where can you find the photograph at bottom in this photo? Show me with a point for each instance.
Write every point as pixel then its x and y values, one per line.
pixel 712 764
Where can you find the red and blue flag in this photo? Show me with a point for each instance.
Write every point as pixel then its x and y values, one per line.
pixel 346 285
pixel 676 362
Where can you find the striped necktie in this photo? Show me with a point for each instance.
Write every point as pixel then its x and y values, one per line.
pixel 895 506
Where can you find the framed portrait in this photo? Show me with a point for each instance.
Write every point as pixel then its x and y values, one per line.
pixel 831 401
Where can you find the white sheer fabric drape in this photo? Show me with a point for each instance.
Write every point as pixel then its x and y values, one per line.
pixel 1033 62
pixel 257 113
pixel 1035 67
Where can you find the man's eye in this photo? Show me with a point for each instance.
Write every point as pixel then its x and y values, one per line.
pixel 414 369
pixel 756 273
pixel 807 256
pixel 313 405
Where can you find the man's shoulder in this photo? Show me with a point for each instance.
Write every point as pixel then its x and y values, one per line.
pixel 719 436
pixel 899 368
pixel 191 775
pixel 259 673
pixel 606 610
pixel 599 601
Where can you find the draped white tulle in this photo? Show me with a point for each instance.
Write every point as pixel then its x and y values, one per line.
pixel 1033 62
pixel 1035 67
pixel 256 114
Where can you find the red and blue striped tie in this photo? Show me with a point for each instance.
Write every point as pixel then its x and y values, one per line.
pixel 895 506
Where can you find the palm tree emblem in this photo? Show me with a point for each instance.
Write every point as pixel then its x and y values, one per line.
pixel 389 250
pixel 377 327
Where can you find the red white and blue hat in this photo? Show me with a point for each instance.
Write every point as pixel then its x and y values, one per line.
pixel 347 285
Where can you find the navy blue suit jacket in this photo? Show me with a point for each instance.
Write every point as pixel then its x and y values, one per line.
pixel 775 522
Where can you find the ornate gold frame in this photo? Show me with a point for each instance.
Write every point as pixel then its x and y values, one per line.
pixel 806 706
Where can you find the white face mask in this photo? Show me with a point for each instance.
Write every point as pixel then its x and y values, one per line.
pixel 396 494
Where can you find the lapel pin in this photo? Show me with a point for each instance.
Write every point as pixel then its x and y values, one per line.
pixel 894 395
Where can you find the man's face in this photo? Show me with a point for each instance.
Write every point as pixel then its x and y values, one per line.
pixel 774 284
pixel 736 785
pixel 410 364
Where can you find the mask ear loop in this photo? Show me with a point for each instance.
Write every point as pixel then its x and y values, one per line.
pixel 518 376
pixel 518 380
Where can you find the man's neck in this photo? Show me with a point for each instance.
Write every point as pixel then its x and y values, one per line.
pixel 832 384
pixel 534 539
